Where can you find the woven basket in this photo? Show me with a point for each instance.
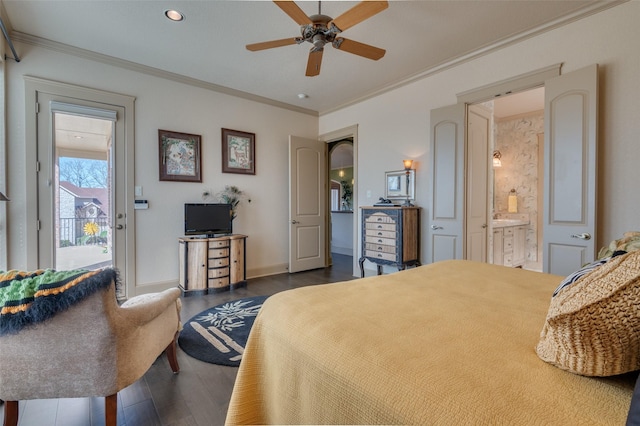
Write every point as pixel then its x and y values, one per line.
pixel 593 325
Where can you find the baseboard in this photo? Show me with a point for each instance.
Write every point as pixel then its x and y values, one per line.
pixel 269 270
pixel 251 273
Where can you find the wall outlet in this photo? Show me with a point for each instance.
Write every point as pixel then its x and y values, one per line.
pixel 368 193
pixel 138 191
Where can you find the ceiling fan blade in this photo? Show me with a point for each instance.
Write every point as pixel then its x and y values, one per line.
pixel 358 13
pixel 270 44
pixel 357 48
pixel 294 11
pixel 314 62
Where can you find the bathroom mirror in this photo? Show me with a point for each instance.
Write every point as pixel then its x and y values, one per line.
pixel 400 185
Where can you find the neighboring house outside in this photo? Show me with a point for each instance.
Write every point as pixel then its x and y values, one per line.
pixel 77 207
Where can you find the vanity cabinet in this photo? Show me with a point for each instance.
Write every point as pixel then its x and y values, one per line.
pixel 509 245
pixel 210 265
pixel 390 236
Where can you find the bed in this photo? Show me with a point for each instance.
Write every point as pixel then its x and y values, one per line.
pixel 452 342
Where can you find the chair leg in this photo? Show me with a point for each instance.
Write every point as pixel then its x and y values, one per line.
pixel 172 355
pixel 11 413
pixel 111 410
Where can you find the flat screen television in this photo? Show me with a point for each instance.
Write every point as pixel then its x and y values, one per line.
pixel 207 219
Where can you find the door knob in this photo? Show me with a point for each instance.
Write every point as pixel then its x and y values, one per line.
pixel 119 226
pixel 583 236
pixel 484 225
pixel 434 227
pixel 294 221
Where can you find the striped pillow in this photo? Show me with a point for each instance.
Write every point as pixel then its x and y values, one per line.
pixel 584 271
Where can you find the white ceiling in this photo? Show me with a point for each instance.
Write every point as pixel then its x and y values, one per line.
pixel 209 45
pixel 519 103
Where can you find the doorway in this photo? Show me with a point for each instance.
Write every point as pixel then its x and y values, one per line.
pixel 351 134
pixel 341 180
pixel 569 178
pixel 83 236
pixel 515 189
pixel 82 144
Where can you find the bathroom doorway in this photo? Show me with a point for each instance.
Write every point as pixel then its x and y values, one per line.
pixel 515 190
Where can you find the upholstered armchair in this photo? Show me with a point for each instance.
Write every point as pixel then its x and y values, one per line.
pixel 93 348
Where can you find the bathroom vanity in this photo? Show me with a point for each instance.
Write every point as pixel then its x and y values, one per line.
pixel 509 242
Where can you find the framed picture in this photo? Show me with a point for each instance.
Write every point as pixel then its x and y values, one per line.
pixel 238 152
pixel 180 158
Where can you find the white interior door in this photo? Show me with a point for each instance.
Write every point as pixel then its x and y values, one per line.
pixel 447 202
pixel 570 152
pixel 478 129
pixel 307 204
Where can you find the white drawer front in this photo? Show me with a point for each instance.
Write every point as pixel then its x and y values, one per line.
pixel 380 218
pixel 380 248
pixel 507 244
pixel 380 226
pixel 379 255
pixel 508 260
pixel 377 240
pixel 380 234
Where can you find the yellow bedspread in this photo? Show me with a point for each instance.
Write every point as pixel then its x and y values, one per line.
pixel 447 343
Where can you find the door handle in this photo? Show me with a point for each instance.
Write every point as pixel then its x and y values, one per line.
pixel 583 236
pixel 294 221
pixel 434 227
pixel 119 226
pixel 484 226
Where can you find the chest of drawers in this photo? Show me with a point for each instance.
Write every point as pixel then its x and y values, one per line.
pixel 209 265
pixel 390 236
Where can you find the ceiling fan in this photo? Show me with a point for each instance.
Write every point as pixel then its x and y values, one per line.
pixel 320 30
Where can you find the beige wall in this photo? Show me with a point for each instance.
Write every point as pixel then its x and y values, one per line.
pixel 391 127
pixel 163 104
pixel 395 125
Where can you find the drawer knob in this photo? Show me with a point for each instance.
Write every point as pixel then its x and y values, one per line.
pixel 380 241
pixel 380 233
pixel 379 226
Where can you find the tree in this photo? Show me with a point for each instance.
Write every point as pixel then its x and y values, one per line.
pixel 84 173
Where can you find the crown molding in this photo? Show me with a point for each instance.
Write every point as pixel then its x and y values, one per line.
pixel 144 69
pixel 591 9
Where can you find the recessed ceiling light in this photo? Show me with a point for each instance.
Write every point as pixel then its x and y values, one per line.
pixel 174 15
pixel 302 96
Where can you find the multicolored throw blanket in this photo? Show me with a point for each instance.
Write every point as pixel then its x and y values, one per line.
pixel 31 297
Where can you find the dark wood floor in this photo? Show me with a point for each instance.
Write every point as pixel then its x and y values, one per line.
pixel 199 395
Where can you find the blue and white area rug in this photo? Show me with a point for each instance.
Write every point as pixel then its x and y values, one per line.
pixel 218 335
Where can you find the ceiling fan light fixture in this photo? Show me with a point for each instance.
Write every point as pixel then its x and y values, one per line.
pixel 319 30
pixel 174 15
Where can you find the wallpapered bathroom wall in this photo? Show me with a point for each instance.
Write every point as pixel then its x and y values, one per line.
pixel 517 141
